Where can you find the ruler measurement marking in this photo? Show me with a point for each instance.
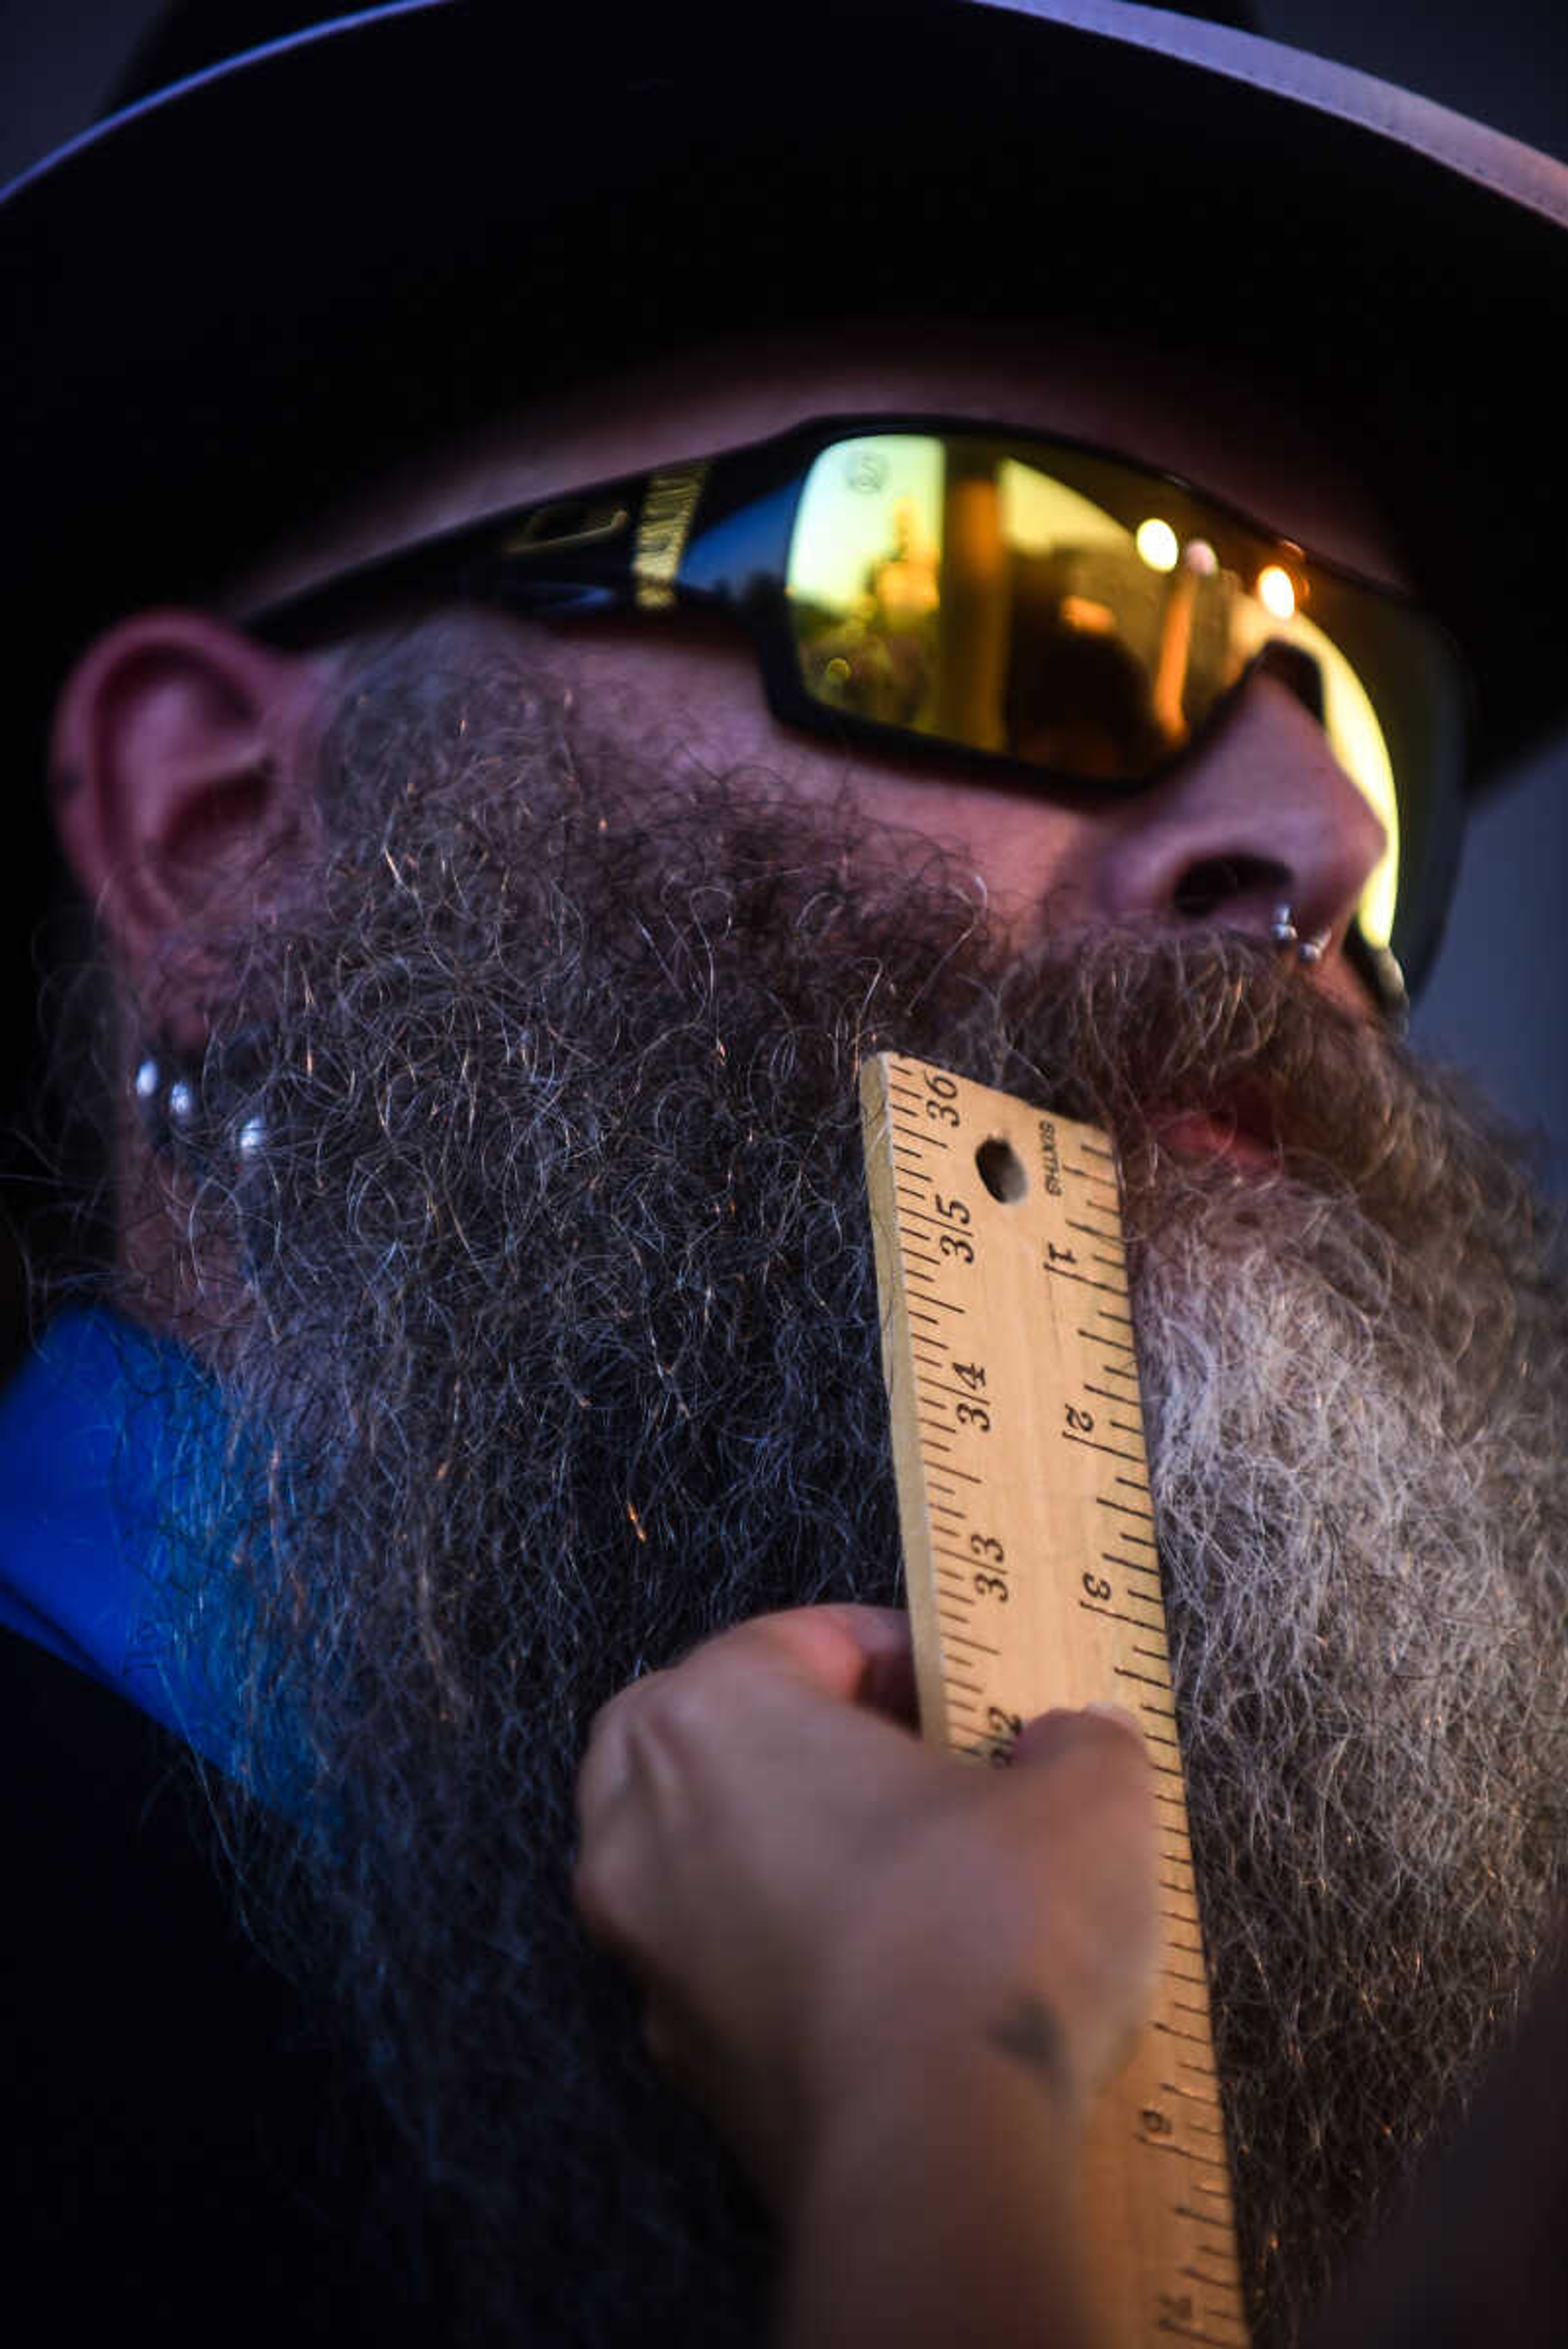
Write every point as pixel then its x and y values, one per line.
pixel 975 1395
pixel 1089 1443
pixel 1193 2096
pixel 1177 2152
pixel 1082 1280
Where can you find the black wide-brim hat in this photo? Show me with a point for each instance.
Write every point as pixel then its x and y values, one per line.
pixel 242 295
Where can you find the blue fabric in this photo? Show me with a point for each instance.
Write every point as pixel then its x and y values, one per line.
pixel 91 1428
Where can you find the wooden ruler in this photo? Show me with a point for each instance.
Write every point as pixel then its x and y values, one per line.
pixel 1033 1581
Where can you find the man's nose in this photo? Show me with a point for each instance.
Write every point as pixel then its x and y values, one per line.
pixel 1256 815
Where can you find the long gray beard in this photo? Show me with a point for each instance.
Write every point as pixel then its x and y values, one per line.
pixel 548 1326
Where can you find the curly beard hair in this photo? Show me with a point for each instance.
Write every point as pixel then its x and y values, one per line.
pixel 546 1325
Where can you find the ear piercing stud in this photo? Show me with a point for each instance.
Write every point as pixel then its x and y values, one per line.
pixel 169 1097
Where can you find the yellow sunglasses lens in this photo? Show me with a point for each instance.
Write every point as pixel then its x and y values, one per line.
pixel 1071 613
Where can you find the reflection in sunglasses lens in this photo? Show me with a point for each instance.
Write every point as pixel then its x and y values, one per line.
pixel 1082 616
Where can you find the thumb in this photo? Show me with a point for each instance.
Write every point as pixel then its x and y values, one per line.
pixel 1050 1735
pixel 1086 1784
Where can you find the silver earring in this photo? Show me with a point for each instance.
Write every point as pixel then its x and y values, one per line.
pixel 167 1098
pixel 178 1118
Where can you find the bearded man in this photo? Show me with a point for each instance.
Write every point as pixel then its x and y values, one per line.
pixel 488 954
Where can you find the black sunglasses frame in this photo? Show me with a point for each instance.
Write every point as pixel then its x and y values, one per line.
pixel 712 535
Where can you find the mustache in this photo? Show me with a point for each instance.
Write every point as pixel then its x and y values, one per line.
pixel 1126 1030
pixel 1118 1026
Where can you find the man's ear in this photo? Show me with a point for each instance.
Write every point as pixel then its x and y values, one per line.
pixel 184 793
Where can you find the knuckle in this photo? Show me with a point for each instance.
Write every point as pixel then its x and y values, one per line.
pixel 593 1895
pixel 607 1892
pixel 602 1773
pixel 679 1719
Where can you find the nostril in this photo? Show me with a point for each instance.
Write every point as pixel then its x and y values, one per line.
pixel 1297 671
pixel 1216 883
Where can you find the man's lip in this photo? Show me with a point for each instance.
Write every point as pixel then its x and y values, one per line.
pixel 1235 1132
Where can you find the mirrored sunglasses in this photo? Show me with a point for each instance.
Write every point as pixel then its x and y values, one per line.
pixel 1031 608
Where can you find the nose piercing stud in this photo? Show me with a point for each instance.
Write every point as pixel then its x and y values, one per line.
pixel 1284 932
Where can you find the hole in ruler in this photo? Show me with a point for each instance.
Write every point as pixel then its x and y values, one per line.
pixel 1002 1169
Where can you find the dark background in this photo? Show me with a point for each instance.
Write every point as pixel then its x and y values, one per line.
pixel 1495 1002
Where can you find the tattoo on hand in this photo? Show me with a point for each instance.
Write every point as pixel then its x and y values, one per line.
pixel 1030 2033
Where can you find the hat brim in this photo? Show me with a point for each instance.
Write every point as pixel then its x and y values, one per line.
pixel 242 296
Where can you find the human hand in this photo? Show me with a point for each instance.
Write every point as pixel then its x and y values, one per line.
pixel 810 1896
